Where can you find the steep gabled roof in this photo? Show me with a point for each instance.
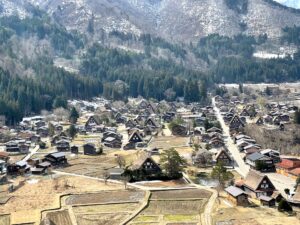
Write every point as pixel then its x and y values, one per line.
pixel 140 162
pixel 254 179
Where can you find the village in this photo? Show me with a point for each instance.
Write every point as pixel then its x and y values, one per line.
pixel 148 162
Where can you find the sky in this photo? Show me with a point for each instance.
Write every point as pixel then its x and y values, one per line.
pixel 290 3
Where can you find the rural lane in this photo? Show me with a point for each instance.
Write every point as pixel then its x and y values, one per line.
pixel 240 166
pixel 281 182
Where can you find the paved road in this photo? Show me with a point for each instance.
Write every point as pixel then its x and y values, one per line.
pixel 31 153
pixel 240 166
pixel 281 182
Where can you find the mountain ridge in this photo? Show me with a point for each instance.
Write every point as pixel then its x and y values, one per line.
pixel 174 20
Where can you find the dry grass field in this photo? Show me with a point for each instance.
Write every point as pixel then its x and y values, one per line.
pixel 106 197
pixel 107 207
pixel 36 195
pixel 174 207
pixel 103 219
pixel 166 142
pixel 60 217
pixel 94 209
pixel 180 194
pixel 4 219
pixel 251 216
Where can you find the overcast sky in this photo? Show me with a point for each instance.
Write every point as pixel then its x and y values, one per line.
pixel 290 3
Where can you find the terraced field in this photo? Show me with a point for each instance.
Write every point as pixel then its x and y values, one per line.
pixel 106 207
pixel 179 207
pixel 60 217
pixel 105 197
pixel 5 219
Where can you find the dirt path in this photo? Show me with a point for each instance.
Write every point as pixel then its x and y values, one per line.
pixel 240 166
pixel 206 217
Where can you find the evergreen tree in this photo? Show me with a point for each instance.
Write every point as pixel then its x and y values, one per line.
pixel 74 115
pixel 172 163
pixel 268 91
pixel 241 88
pixel 72 131
pixel 60 102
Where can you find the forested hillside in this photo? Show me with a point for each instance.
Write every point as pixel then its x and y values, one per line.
pixel 125 64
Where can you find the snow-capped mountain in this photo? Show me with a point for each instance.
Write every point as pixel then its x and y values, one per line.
pixel 178 20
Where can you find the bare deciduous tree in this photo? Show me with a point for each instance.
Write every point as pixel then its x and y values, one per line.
pixel 121 161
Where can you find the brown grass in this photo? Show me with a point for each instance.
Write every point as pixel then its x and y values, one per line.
pixel 103 219
pixel 4 219
pixel 251 216
pixel 106 197
pixel 28 201
pixel 94 209
pixel 60 217
pixel 166 142
pixel 180 194
pixel 174 207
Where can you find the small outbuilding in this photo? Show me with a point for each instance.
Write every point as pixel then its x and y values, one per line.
pixel 237 196
pixel 267 201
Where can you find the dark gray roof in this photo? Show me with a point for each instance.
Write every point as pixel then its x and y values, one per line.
pixel 256 156
pixel 21 163
pixel 58 154
pixel 265 198
pixel 234 191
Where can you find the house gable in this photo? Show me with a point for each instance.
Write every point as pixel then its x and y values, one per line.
pixel 136 137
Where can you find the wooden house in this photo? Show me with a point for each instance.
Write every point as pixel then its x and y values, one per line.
pixel 180 130
pixel 18 168
pixel 41 168
pixel 112 142
pixel 42 131
pixel 12 146
pixel 260 162
pixel 130 124
pixel 214 129
pixel 56 159
pixel 111 134
pixel 136 137
pixel 267 201
pixel 90 149
pixel 259 121
pixel 74 149
pixel 236 123
pixel 93 121
pixel 274 154
pixel 168 117
pixel 244 112
pixel 224 158
pixel 151 122
pixel 63 145
pixel 146 165
pixel 257 184
pixel 237 196
pixel 216 143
